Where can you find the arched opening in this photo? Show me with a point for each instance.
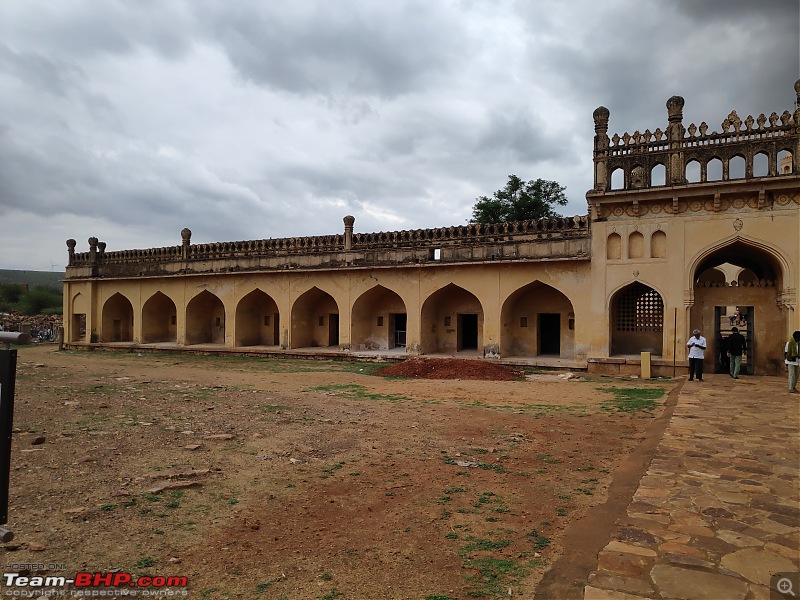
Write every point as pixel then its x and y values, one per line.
pixel 785 163
pixel 712 277
pixel 117 320
pixel 257 321
pixel 637 320
pixel 538 320
pixel 159 320
pixel 379 321
pixel 714 170
pixel 761 165
pixel 658 175
pixel 614 247
pixel 693 172
pixel 736 167
pixel 658 244
pixel 617 179
pixel 452 321
pixel 78 321
pixel 635 245
pixel 747 278
pixel 315 320
pixel 759 278
pixel 205 319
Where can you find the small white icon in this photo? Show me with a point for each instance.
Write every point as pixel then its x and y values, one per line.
pixel 784 586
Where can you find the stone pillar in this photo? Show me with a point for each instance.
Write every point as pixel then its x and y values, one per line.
pixel 186 240
pixel 348 232
pixel 601 141
pixel 71 250
pixel 675 168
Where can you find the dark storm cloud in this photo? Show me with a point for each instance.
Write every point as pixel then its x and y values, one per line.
pixel 132 120
pixel 381 48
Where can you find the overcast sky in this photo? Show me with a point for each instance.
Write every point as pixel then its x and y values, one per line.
pixel 243 120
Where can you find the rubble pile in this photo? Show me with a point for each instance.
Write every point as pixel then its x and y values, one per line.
pixel 42 327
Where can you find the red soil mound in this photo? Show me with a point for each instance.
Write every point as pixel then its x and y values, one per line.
pixel 451 368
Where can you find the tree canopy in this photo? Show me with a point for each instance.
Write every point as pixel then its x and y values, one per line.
pixel 520 201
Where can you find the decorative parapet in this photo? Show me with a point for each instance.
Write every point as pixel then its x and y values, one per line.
pixel 556 238
pixel 638 154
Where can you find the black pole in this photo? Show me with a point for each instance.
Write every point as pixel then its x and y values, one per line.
pixel 8 371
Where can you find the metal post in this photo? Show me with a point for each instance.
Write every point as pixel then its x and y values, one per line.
pixel 674 341
pixel 8 370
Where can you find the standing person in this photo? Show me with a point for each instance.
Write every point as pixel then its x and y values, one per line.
pixel 697 346
pixel 791 353
pixel 737 344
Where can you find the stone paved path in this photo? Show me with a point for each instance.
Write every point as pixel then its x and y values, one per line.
pixel 718 511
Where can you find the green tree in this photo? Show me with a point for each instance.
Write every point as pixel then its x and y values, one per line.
pixel 520 201
pixel 40 301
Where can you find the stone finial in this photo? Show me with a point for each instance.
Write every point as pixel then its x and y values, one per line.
pixel 675 109
pixel 93 243
pixel 71 245
pixel 797 91
pixel 186 236
pixel 101 246
pixel 349 220
pixel 600 116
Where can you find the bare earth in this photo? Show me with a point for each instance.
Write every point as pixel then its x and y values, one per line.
pixel 312 479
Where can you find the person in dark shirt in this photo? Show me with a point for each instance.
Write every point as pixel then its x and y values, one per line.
pixel 736 346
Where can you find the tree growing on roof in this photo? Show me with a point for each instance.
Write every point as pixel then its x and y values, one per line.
pixel 520 201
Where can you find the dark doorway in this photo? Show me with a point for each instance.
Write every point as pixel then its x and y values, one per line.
pixel 276 330
pixel 117 330
pixel 333 329
pixel 398 323
pixel 468 332
pixel 550 333
pixel 722 329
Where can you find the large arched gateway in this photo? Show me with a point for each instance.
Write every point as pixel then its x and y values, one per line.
pixel 755 296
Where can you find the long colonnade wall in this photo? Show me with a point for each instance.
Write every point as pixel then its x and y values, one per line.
pixel 436 306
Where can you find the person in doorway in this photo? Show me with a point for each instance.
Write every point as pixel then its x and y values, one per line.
pixel 737 344
pixel 736 316
pixel 697 347
pixel 792 354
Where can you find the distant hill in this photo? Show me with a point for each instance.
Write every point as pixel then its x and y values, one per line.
pixel 33 278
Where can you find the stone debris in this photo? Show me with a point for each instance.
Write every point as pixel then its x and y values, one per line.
pixel 218 436
pixel 39 439
pixel 172 485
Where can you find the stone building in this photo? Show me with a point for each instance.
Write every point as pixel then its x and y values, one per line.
pixel 684 226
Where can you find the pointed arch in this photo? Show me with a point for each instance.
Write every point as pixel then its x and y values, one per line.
pixel 315 320
pixel 205 319
pixel 637 320
pixel 78 319
pixel 452 321
pixel 378 320
pixel 537 319
pixel 159 319
pixel 117 322
pixel 257 320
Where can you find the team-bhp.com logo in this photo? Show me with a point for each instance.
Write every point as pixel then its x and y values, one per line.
pixel 92 582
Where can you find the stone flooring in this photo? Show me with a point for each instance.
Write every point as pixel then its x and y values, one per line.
pixel 718 512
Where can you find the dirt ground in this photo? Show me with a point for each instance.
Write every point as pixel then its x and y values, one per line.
pixel 308 478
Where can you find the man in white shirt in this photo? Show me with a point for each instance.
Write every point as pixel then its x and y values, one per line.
pixel 697 345
pixel 791 351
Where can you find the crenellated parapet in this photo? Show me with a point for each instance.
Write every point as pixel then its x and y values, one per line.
pixel 765 146
pixel 555 238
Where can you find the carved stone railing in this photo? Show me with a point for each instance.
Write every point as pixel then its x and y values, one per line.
pixel 466 243
pixel 637 154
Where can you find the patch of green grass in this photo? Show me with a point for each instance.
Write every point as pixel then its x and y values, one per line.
pixel 144 562
pixel 108 507
pixel 326 576
pixel 233 501
pixel 548 459
pixel 561 511
pixel 495 576
pixel 452 535
pixel 359 392
pixel 129 503
pixel 453 490
pixel 483 544
pixel 335 467
pixel 262 587
pixel 539 541
pixel 151 497
pixel 631 400
pixel 333 594
pixel 438 597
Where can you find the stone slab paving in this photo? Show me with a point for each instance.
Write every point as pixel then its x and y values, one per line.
pixel 718 511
